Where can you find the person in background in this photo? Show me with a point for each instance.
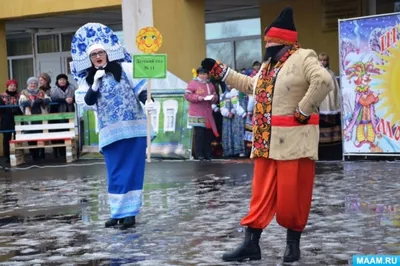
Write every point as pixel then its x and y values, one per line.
pixel 44 83
pixel 9 97
pixel 216 142
pixel 201 95
pixel 62 93
pixel 256 68
pixel 34 101
pixel 233 123
pixel 248 134
pixel 250 108
pixel 330 130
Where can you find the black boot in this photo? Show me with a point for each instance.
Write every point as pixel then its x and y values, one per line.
pixel 250 249
pixel 129 221
pixel 292 252
pixel 111 222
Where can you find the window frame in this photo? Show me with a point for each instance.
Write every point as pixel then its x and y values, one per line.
pixel 233 41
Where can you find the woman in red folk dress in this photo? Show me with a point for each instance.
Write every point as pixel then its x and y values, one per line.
pixel 201 95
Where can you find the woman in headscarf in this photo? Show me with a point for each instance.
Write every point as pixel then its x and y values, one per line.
pixel 34 101
pixel 104 70
pixel 44 83
pixel 10 97
pixel 63 93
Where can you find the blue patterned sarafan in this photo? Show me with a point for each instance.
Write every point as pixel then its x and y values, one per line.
pixel 120 113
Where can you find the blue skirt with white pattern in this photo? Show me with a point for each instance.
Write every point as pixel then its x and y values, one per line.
pixel 125 162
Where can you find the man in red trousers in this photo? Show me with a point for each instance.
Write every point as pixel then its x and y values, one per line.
pixel 287 90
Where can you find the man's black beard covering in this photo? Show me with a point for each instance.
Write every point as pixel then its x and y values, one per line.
pixel 111 67
pixel 271 52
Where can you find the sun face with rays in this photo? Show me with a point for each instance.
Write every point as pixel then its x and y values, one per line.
pixel 390 84
pixel 149 40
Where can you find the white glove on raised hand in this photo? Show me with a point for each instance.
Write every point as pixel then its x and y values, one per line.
pixel 149 106
pixel 96 80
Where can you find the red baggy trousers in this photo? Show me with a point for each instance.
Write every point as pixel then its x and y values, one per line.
pixel 283 188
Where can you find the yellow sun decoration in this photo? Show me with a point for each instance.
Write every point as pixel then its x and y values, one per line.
pixel 390 85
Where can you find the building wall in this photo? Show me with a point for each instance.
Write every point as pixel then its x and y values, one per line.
pixel 3 55
pixel 307 25
pixel 182 25
pixel 308 22
pixel 23 8
pixel 19 9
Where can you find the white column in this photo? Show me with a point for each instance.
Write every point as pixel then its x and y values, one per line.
pixel 136 14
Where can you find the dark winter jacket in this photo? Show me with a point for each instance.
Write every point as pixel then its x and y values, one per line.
pixel 7 114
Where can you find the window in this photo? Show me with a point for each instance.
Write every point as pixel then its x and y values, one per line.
pixel 221 51
pixel 236 43
pixel 247 51
pixel 9 69
pixel 22 69
pixel 19 46
pixel 170 108
pixel 170 120
pixel 155 116
pixel 66 39
pixel 48 43
pixel 154 121
pixel 233 29
pixel 244 53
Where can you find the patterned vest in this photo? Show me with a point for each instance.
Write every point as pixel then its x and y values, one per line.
pixel 263 106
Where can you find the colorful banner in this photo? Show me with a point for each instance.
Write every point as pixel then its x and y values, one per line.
pixel 369 53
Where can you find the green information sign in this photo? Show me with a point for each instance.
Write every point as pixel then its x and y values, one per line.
pixel 150 66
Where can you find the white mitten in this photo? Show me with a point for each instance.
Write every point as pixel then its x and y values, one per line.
pixel 149 106
pixel 96 80
pixel 215 108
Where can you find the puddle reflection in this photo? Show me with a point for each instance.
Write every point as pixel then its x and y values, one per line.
pixel 190 216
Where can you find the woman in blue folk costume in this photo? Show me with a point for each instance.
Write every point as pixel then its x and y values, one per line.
pixel 103 70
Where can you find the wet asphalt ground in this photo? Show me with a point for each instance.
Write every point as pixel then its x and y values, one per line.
pixel 190 215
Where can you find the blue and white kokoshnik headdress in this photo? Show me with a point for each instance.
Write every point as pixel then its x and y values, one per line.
pixel 88 35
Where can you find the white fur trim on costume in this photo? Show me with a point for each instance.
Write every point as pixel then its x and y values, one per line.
pixel 334 112
pixel 95 47
pixel 226 75
pixel 301 112
pixel 272 44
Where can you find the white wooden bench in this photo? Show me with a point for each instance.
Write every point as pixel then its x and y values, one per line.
pixel 44 137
